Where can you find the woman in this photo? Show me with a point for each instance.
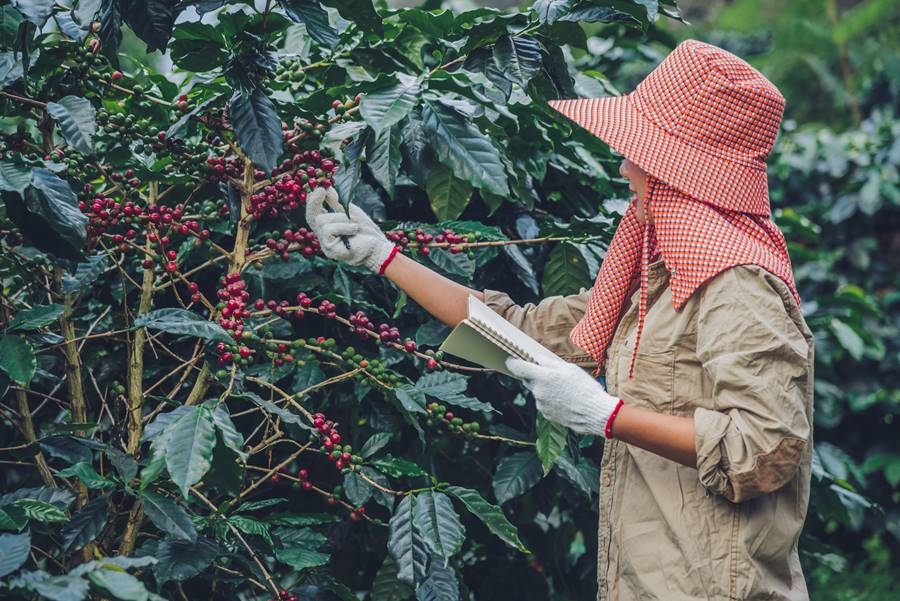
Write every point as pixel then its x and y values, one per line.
pixel 705 472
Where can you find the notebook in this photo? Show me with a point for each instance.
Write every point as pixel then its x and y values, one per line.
pixel 487 339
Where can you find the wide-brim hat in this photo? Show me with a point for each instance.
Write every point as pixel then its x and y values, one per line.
pixel 703 121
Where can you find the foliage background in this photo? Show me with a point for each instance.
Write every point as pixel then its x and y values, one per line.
pixel 833 178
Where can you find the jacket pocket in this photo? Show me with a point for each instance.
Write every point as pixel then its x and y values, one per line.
pixel 653 383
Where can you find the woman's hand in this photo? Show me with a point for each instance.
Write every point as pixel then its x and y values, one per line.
pixel 567 395
pixel 368 245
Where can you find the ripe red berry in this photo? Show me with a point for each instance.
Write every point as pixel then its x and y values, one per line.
pixel 116 75
pixel 171 266
pixel 431 363
pixel 276 478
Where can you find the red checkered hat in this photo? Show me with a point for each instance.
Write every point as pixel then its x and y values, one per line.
pixel 700 125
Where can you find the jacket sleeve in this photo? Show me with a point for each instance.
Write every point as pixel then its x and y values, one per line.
pixel 756 357
pixel 549 321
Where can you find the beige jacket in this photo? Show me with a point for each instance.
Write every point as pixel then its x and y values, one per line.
pixel 738 358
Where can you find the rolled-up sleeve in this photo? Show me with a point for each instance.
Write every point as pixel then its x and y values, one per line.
pixel 756 357
pixel 549 321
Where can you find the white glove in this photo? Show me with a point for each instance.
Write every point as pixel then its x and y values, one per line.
pixel 368 244
pixel 566 394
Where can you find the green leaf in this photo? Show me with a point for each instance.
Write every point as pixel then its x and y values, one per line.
pixel 375 443
pixel 189 450
pixel 180 560
pixel 249 525
pixel 347 178
pixel 120 585
pixel 110 30
pixel 566 272
pixel 67 587
pixel 257 127
pixel 76 118
pixel 311 14
pixel 548 11
pixel 551 440
pixel 85 472
pixel 17 359
pixel 198 47
pixel 492 515
pixel 459 264
pixel 14 178
pixel 358 491
pixel 361 12
pixel 516 473
pixel 411 398
pixel 301 558
pixel 10 20
pixel 151 20
pixel 397 467
pixel 182 321
pixel 449 196
pixel 36 11
pixel 36 317
pixel 431 333
pixel 441 585
pixel 518 58
pixel 308 519
pixel 233 439
pixel 387 586
pixel 14 550
pixel 48 215
pixel 383 157
pixel 11 68
pixel 261 504
pixel 168 516
pixel 439 524
pixel 40 511
pixel 848 338
pixel 405 544
pixel 383 108
pixel 572 473
pixel 86 273
pixel 85 525
pixel 461 146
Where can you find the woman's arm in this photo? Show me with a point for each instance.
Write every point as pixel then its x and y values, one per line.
pixel 669 436
pixel 440 296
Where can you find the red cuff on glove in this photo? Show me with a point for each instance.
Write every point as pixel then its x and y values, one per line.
pixel 612 416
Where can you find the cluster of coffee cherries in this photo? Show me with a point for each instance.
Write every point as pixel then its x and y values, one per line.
pixel 292 180
pixel 440 417
pixel 342 107
pixel 342 455
pixel 281 242
pixel 423 239
pixel 220 168
pixel 233 299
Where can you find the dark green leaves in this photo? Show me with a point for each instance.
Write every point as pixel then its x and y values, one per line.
pixel 75 116
pixel 180 560
pixel 17 359
pixel 311 14
pixel 548 11
pixel 566 272
pixel 461 146
pixel 14 178
pixel 448 194
pixel 151 20
pixel 405 544
pixel 36 317
pixel 385 107
pixel 435 518
pixel 198 47
pixel 191 439
pixel 516 473
pixel 258 127
pixel 519 58
pixel 551 440
pixel 48 215
pixel 13 552
pixel 85 525
pixel 490 514
pixel 110 30
pixel 182 321
pixel 169 516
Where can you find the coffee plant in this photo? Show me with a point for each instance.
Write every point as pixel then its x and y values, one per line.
pixel 196 403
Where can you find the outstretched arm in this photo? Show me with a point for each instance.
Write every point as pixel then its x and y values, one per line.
pixel 440 296
pixel 670 436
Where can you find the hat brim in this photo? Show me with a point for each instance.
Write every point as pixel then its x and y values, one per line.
pixel 695 171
